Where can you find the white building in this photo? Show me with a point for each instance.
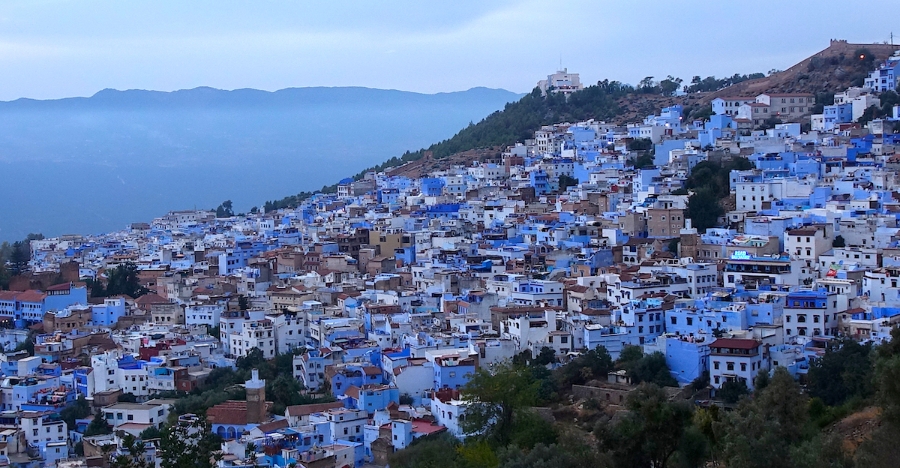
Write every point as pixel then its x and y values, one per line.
pixel 448 410
pixel 728 105
pixel 40 429
pixel 254 334
pixel 561 82
pixel 203 313
pixel 734 359
pixel 147 414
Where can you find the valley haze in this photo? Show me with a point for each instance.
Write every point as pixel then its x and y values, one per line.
pixel 93 164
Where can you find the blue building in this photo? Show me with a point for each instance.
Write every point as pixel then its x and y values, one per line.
pixel 431 186
pixel 540 181
pixel 109 312
pixel 64 295
pixel 836 114
pixel 452 371
pixel 686 356
pixel 371 398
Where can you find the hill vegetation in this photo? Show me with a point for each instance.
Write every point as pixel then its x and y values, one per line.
pixel 835 68
pixel 524 415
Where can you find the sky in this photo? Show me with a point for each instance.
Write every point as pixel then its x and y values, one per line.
pixel 57 48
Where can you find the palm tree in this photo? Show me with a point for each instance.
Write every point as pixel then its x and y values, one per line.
pixel 251 452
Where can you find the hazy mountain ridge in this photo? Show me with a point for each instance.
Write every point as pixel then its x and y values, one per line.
pixel 213 97
pixel 160 151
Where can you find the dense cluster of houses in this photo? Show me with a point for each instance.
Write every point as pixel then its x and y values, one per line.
pixel 392 291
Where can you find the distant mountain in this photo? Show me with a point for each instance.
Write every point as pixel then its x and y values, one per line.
pixel 97 163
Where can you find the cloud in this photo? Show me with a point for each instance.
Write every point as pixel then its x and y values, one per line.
pixel 404 44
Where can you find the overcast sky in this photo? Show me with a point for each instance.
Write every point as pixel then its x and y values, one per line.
pixel 55 48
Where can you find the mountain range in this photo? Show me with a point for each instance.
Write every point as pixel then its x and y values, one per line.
pixel 94 164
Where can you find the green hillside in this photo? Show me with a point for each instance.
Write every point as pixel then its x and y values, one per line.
pixel 516 122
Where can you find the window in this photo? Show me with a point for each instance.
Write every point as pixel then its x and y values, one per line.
pixel 730 366
pixel 716 365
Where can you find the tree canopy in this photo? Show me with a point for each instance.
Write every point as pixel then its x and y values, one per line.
pixel 123 280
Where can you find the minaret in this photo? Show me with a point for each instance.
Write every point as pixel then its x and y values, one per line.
pixel 256 399
pixel 689 240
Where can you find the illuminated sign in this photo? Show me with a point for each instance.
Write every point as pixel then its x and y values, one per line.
pixel 740 255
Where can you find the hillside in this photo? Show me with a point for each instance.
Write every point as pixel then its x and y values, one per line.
pixel 830 70
pixel 823 73
pixel 122 156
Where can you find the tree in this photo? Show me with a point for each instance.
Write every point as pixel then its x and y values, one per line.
pixel 596 363
pixel 27 345
pixel 630 354
pixel 5 276
pixel 123 280
pixel 542 455
pixel 670 85
pixel 881 450
pixel 151 433
pixel 254 359
pixel 640 144
pixel 566 181
pixel 648 86
pixel 250 453
pixel 642 161
pixel 838 242
pixel 529 429
pixel 131 454
pixel 189 444
pixel 127 398
pixel 98 426
pixel 433 451
pixel 651 432
pixel 673 245
pixel 733 390
pixel 545 357
pixel 243 302
pixel 762 431
pixel 887 373
pixel 495 397
pixel 761 381
pixel 843 372
pixel 284 391
pixel 703 113
pixel 225 210
pixel 771 122
pixel 96 287
pixel 19 257
pixel 652 368
pixel 704 210
pixel 79 409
